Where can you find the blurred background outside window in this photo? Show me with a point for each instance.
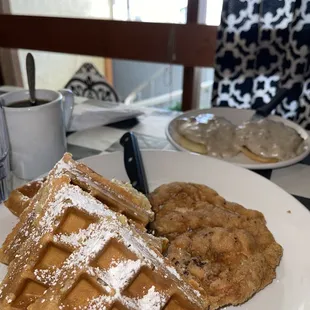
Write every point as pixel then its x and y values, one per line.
pixel 150 84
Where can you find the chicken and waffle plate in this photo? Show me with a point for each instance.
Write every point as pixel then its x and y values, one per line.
pixel 86 242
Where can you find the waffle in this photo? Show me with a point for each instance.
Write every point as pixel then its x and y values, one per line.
pixel 121 197
pixel 118 196
pixel 20 197
pixel 80 254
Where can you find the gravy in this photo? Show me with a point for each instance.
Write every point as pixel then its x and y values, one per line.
pixel 216 133
pixel 270 139
pixel 265 138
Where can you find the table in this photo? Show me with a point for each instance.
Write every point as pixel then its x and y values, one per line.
pixel 150 131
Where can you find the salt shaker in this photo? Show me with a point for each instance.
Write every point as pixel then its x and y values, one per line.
pixel 5 175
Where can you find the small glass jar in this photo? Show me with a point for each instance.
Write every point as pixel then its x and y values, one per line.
pixel 5 173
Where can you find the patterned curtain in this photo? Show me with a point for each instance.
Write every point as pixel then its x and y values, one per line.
pixel 264 45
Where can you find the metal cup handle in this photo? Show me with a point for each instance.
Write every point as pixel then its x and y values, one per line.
pixel 67 106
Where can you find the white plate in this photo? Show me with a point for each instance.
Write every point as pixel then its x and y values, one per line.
pixel 237 117
pixel 290 290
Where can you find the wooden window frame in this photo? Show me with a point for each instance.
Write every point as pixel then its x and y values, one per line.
pixel 191 45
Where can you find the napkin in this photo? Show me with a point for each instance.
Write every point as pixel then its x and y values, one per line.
pixel 93 113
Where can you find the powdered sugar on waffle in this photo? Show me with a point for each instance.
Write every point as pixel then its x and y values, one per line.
pixel 70 196
pixel 119 273
pixel 24 198
pixel 152 300
pixel 87 244
pixel 47 276
pixel 61 166
pixel 91 241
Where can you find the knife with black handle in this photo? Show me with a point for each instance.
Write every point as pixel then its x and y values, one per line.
pixel 266 109
pixel 133 162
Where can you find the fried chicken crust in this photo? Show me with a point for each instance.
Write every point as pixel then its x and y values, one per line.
pixel 224 250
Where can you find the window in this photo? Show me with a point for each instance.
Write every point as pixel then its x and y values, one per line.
pixel 163 11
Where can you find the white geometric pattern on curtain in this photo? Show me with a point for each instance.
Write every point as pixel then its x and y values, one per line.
pixel 264 45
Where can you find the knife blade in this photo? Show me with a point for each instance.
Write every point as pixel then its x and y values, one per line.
pixel 133 162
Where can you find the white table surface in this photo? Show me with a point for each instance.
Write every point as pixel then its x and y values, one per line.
pixel 150 131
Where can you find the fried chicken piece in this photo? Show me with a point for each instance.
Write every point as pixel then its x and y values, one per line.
pixel 224 249
pixel 226 265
